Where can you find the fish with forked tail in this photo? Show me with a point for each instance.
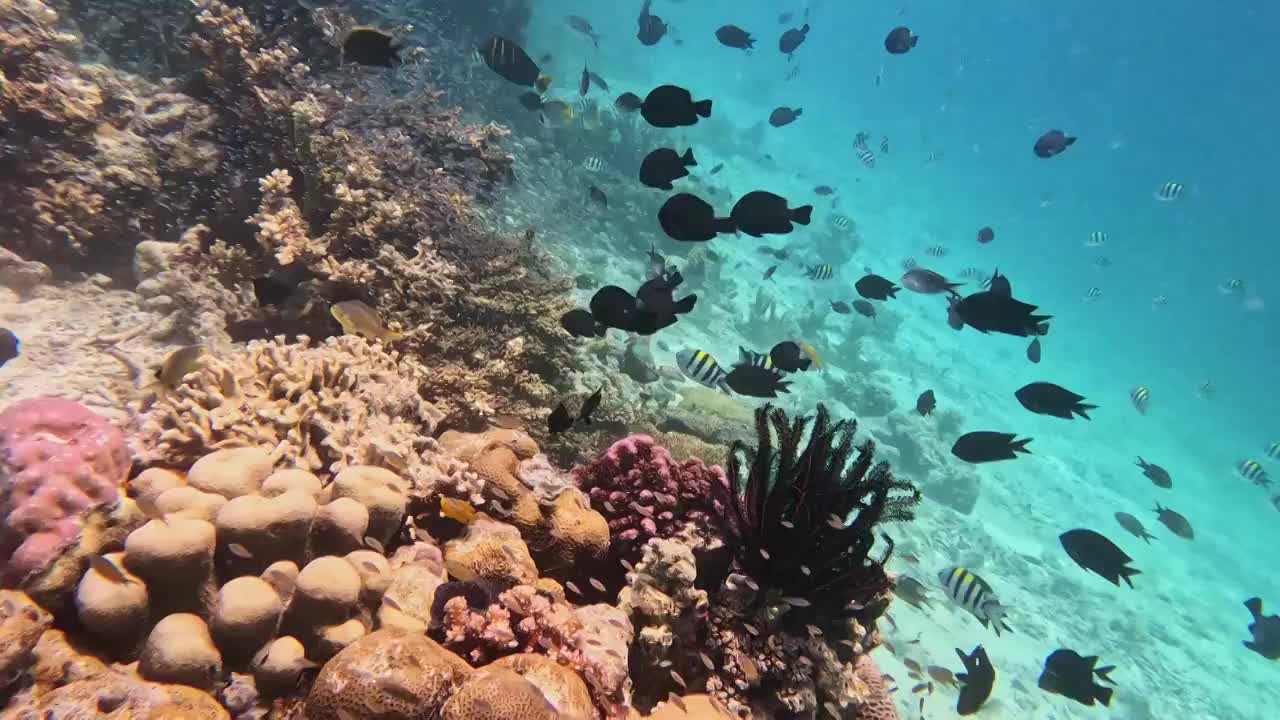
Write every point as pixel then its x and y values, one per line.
pixel 985 446
pixel 1265 630
pixel 1068 674
pixel 1094 552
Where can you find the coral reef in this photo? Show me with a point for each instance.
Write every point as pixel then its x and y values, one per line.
pixel 58 461
pixel 645 493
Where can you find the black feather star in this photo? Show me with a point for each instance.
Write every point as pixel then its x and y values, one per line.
pixel 802 516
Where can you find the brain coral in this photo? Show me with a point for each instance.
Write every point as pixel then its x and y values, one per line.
pixel 58 460
pixel 321 407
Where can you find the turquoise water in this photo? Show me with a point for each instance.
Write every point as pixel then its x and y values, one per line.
pixel 1165 92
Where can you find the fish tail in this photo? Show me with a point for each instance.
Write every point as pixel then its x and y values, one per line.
pixel 801 214
pixel 1255 606
pixel 703 108
pixel 543 82
pixel 1102 695
pixel 805 363
pixel 1126 573
pixel 1069 140
pixel 1083 410
pixel 1020 446
pixel 686 304
pixel 782 387
pixel 1147 537
pixel 1104 673
pixel 688 157
pixel 1142 463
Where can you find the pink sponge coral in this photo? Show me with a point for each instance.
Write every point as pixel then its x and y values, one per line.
pixel 645 493
pixel 58 459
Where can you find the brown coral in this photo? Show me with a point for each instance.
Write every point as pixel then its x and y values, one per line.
pixel 496 693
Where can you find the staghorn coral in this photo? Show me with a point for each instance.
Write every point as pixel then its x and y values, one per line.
pixel 58 461
pixel 323 408
pixel 645 493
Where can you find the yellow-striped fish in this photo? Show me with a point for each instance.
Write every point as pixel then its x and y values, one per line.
pixel 1141 398
pixel 974 594
pixel 357 318
pixel 757 360
pixel 812 352
pixel 1252 471
pixel 700 367
pixel 821 272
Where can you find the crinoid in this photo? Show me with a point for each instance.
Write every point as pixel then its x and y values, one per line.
pixel 802 518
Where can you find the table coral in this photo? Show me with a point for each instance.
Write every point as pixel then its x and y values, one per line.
pixel 58 460
pixel 645 493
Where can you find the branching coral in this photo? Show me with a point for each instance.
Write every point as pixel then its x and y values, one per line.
pixel 790 528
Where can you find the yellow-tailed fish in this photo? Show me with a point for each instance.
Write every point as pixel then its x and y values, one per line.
pixel 357 318
pixel 811 352
pixel 556 113
pixel 459 510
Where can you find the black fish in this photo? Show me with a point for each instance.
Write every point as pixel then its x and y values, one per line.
pixel 668 106
pixel 370 46
pixel 599 81
pixel 1033 350
pixel 1265 630
pixel 531 100
pixel 689 218
pixel 589 406
pixel 664 165
pixel 559 420
pixel 927 282
pixel 755 382
pixel 784 116
pixel 1134 526
pixel 986 446
pixel 900 40
pixel 511 62
pixel 613 306
pixel 735 37
pixel 1044 398
pixel 580 323
pixel 840 306
pixel 1052 143
pixel 874 287
pixel 651 26
pixel 1175 521
pixel 1158 475
pixel 650 310
pixel 788 357
pixel 758 213
pixel 1094 552
pixel 584 84
pixel 926 403
pixel 999 284
pixel 979 680
pixel 990 312
pixel 9 346
pixel 785 17
pixel 791 39
pixel 1068 674
pixel 769 273
pixel 628 102
pixel 716 169
pixel 865 308
pixel 597 196
pixel 986 235
pixel 824 190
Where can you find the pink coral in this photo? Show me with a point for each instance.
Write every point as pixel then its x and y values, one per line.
pixel 58 460
pixel 645 493
pixel 877 704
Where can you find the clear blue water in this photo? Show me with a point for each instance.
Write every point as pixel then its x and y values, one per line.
pixel 1178 91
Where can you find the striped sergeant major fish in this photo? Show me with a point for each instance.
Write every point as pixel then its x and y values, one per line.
pixel 1097 238
pixel 1092 294
pixel 866 157
pixel 1141 398
pixel 820 272
pixel 974 594
pixel 1170 191
pixel 593 164
pixel 700 367
pixel 756 360
pixel 1252 471
pixel 1273 450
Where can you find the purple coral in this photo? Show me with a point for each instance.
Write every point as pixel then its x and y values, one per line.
pixel 645 493
pixel 58 460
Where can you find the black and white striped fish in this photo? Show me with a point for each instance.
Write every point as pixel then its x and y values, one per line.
pixel 700 367
pixel 1252 471
pixel 974 594
pixel 884 145
pixel 936 250
pixel 1093 293
pixel 593 164
pixel 1231 286
pixel 820 272
pixel 1141 398
pixel 860 140
pixel 908 263
pixel 1273 450
pixel 840 221
pixel 1170 191
pixel 1097 238
pixel 756 360
pixel 867 157
pixel 976 275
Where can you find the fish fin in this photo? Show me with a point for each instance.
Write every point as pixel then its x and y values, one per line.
pixel 805 363
pixel 1082 409
pixel 724 225
pixel 1103 695
pixel 1104 673
pixel 703 108
pixel 1255 606
pixel 1020 446
pixel 801 214
pixel 686 304
pixel 1141 463
pixel 1125 574
pixel 688 157
pixel 1252 646
pixel 542 83
pixel 744 356
pixel 1069 139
